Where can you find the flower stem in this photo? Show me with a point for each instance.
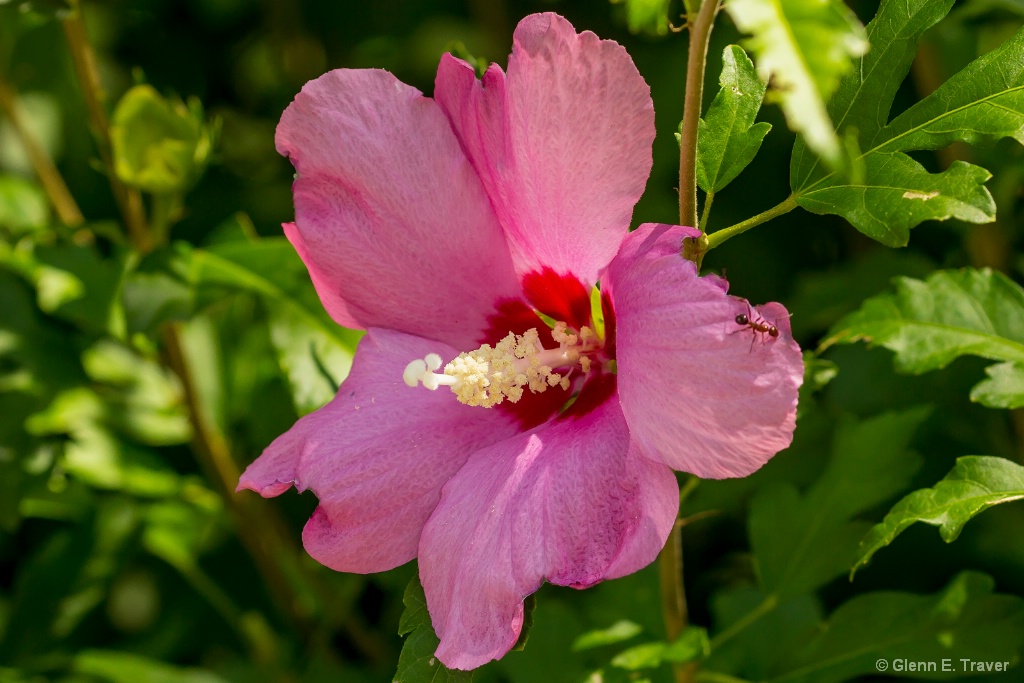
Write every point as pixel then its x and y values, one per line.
pixel 716 238
pixel 50 178
pixel 129 200
pixel 673 595
pixel 766 606
pixel 700 34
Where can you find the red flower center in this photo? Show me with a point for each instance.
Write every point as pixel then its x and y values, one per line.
pixel 562 298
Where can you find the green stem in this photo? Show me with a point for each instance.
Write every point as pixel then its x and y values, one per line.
pixel 673 600
pixel 221 603
pixel 716 238
pixel 164 212
pixel 700 34
pixel 49 177
pixel 766 606
pixel 129 200
pixel 709 199
pixel 673 595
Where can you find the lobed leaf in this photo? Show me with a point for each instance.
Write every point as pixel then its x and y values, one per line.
pixel 417 663
pixel 976 483
pixel 964 620
pixel 982 103
pixel 930 323
pixel 804 47
pixel 800 542
pixel 780 628
pixel 1004 387
pixel 727 137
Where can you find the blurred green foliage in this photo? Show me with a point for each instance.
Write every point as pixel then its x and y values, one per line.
pixel 135 383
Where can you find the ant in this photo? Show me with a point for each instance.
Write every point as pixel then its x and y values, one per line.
pixel 760 325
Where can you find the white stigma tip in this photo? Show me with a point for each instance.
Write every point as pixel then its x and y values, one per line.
pixel 433 362
pixel 414 371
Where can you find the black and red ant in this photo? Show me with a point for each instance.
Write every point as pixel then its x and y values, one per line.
pixel 759 326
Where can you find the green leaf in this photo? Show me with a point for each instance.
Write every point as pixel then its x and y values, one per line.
pixel 800 542
pixel 931 323
pixel 727 138
pixel 52 9
pixel 123 667
pixel 982 103
pixel 310 358
pixel 314 352
pixel 766 630
pixel 142 400
pixel 965 620
pixel 417 663
pixel 618 632
pixel 268 267
pixel 93 452
pixel 818 372
pixel 976 483
pixel 804 47
pixel 865 96
pixel 690 645
pixel 823 297
pixel 23 205
pixel 898 193
pixel 646 16
pixel 1004 387
pixel 92 300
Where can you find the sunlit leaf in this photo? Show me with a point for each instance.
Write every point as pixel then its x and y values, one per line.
pixel 931 323
pixel 616 633
pixel 802 48
pixel 964 620
pixel 314 352
pixel 982 103
pixel 310 358
pixel 800 542
pixel 124 667
pixel 23 205
pixel 727 137
pixel 646 16
pixel 93 452
pixel 690 645
pixel 976 483
pixel 1004 387
pixel 143 400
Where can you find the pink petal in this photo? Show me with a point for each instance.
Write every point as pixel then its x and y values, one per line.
pixel 376 456
pixel 391 219
pixel 700 392
pixel 571 502
pixel 562 143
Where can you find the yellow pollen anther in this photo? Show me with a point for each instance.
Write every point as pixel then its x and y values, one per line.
pixel 489 375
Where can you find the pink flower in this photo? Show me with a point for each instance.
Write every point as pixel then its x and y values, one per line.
pixel 439 225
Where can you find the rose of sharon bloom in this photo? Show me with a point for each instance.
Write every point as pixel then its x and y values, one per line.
pixel 500 448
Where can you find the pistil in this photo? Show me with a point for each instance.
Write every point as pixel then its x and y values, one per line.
pixel 490 375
